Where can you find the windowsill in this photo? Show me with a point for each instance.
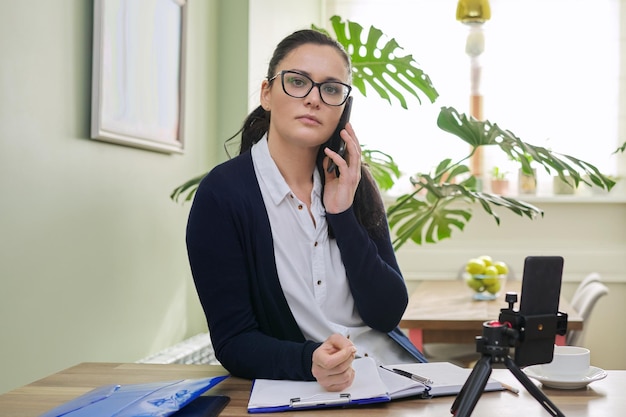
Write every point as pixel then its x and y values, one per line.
pixel 611 198
pixel 574 199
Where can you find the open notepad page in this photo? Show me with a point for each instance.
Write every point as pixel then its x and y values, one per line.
pixel 372 384
pixel 277 395
pixel 447 379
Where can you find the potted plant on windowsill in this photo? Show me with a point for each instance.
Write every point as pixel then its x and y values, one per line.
pixel 499 181
pixel 563 184
pixel 443 199
pixel 527 176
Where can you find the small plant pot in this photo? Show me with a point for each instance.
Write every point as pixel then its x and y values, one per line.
pixel 561 187
pixel 485 287
pixel 500 187
pixel 527 184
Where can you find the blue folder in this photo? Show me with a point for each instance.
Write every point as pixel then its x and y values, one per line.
pixel 155 399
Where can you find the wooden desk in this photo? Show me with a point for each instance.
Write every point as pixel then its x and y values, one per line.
pixel 444 312
pixel 602 398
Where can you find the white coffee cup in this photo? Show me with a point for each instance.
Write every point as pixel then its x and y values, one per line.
pixel 568 362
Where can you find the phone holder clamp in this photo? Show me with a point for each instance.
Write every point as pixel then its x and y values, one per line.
pixel 511 330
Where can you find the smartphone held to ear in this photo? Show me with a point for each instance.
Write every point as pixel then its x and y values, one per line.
pixel 335 142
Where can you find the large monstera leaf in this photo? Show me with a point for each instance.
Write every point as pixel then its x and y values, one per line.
pixel 484 133
pixel 442 202
pixel 382 68
pixel 436 206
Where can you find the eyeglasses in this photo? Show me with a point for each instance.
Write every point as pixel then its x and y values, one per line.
pixel 297 85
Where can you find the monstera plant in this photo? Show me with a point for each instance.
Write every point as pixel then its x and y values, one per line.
pixel 441 200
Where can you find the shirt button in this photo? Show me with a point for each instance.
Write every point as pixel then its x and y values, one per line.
pixel 319 282
pixel 315 244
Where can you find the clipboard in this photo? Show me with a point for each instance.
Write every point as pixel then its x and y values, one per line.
pixel 269 396
pixel 372 384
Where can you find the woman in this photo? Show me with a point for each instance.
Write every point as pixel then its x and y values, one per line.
pixel 293 264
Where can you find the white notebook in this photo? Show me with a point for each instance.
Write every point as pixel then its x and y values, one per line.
pixel 445 379
pixel 372 384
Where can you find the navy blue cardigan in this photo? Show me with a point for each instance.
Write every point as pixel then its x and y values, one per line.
pixel 231 254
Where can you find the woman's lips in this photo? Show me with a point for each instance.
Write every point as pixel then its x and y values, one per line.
pixel 309 119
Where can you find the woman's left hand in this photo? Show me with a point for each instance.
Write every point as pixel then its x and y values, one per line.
pixel 339 191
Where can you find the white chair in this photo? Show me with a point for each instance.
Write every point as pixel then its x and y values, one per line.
pixel 585 303
pixel 592 277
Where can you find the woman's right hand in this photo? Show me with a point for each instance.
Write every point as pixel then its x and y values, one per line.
pixel 339 191
pixel 332 363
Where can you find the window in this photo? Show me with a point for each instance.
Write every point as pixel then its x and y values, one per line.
pixel 550 75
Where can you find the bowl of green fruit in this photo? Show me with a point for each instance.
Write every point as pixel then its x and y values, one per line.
pixel 485 277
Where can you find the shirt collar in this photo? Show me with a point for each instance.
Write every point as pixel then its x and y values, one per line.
pixel 271 176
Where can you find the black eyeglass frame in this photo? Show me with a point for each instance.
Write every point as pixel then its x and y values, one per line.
pixel 313 85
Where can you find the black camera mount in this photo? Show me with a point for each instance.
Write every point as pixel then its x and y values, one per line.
pixel 511 330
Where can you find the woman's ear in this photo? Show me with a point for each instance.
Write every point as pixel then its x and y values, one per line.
pixel 266 95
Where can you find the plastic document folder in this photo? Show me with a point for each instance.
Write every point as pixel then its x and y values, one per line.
pixel 156 399
pixel 372 384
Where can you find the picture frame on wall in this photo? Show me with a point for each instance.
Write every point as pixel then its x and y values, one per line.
pixel 138 73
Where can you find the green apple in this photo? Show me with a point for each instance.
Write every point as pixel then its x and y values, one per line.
pixel 494 287
pixel 475 284
pixel 488 260
pixel 491 271
pixel 491 276
pixel 502 268
pixel 475 266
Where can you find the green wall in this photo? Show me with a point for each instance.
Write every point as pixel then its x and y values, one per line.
pixel 93 265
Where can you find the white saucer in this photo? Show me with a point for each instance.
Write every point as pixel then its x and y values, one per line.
pixel 564 382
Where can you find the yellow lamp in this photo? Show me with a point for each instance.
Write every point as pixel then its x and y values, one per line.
pixel 473 11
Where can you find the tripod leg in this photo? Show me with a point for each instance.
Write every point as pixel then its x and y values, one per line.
pixel 532 388
pixel 471 391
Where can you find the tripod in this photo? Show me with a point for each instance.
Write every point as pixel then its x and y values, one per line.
pixel 494 347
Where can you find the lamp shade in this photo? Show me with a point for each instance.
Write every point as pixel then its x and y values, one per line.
pixel 473 11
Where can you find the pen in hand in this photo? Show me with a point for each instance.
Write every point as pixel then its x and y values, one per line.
pixel 414 377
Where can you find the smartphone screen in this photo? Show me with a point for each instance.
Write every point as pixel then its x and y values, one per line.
pixel 541 285
pixel 335 142
pixel 539 305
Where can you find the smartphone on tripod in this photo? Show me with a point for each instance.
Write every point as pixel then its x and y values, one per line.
pixel 531 331
pixel 335 142
pixel 541 290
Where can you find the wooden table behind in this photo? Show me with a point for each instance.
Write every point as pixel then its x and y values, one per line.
pixel 444 311
pixel 602 398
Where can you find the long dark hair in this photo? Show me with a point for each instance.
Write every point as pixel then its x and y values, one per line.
pixel 367 205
